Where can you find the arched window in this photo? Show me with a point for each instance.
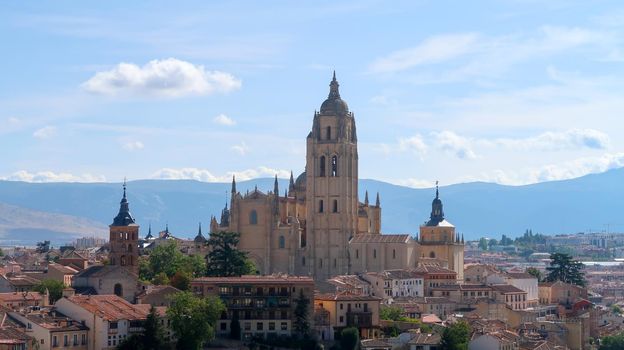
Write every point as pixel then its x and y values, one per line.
pixel 329 132
pixel 130 248
pixel 374 253
pixel 335 206
pixel 432 255
pixel 321 206
pixel 393 253
pixel 253 217
pixel 118 290
pixel 282 242
pixel 322 166
pixel 334 166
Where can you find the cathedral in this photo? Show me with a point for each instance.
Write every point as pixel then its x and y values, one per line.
pixel 319 227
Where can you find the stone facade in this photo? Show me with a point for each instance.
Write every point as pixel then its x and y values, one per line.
pixel 318 226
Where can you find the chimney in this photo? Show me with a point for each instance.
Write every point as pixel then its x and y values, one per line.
pixel 68 292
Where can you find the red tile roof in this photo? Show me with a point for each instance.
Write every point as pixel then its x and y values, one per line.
pixel 110 307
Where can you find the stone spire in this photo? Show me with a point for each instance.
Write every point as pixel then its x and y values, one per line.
pixel 437 210
pixel 225 216
pixel 149 232
pixel 377 201
pixel 200 237
pixel 233 192
pixel 333 88
pixel 291 185
pixel 366 198
pixel 123 218
pixel 276 196
pixel 462 239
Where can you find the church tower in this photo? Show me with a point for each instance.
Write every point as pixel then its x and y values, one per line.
pixel 438 240
pixel 331 188
pixel 124 238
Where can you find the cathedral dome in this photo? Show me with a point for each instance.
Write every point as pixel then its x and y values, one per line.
pixel 301 180
pixel 334 104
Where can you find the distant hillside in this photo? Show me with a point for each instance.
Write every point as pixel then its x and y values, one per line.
pixel 22 226
pixel 477 209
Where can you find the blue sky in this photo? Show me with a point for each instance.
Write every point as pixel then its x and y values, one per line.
pixel 513 92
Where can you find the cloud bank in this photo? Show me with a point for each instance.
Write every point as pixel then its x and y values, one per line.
pixel 161 78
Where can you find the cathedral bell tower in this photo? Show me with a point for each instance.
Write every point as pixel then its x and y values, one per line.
pixel 331 188
pixel 124 238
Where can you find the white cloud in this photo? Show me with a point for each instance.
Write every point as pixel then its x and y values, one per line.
pixel 470 55
pixel 49 176
pixel 133 145
pixel 553 172
pixel 223 119
pixel 432 50
pixel 415 183
pixel 414 144
pixel 452 143
pixel 241 148
pixel 560 140
pixel 169 78
pixel 45 132
pixel 207 176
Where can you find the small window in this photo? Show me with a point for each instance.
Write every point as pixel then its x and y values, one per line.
pixel 282 242
pixel 320 262
pixel 321 206
pixel 329 133
pixel 334 166
pixel 303 261
pixel 253 217
pixel 393 253
pixel 357 253
pixel 335 206
pixel 322 166
pixel 374 253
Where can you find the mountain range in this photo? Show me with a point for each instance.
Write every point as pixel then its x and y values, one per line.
pixel 60 212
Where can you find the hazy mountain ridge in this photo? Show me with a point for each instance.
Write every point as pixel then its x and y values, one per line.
pixel 477 209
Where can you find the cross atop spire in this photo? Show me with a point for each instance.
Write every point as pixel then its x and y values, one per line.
pixel 123 218
pixel 333 88
pixel 437 192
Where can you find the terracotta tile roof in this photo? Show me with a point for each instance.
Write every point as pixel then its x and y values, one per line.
pixel 344 297
pixel 19 296
pixel 63 269
pixel 506 288
pixel 110 307
pixel 425 339
pixel 56 322
pixel 379 238
pixel 13 336
pixel 520 275
pixel 272 279
pixel 431 318
pixel 433 269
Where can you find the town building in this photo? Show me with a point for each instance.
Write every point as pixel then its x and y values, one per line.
pixel 109 318
pixel 264 305
pixel 342 310
pixel 53 330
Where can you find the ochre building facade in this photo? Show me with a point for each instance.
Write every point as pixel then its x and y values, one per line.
pixel 318 226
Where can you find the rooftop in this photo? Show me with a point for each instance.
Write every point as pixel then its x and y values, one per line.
pixel 110 307
pixel 273 279
pixel 379 238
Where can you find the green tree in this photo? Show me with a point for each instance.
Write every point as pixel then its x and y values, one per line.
pixel 1 252
pixel 54 287
pixel 235 328
pixel 133 342
pixel 483 244
pixel 616 309
pixel 613 342
pixel 166 258
pixel 492 242
pixel 181 280
pixel 456 336
pixel 391 313
pixel 153 337
pixel 349 338
pixel 563 268
pixel 193 319
pixel 161 279
pixel 301 325
pixel 224 259
pixel 535 273
pixel 506 240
